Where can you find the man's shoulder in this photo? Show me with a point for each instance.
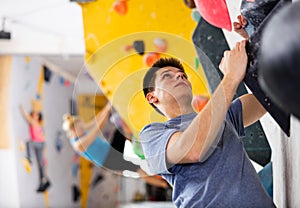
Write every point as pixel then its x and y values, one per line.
pixel 154 131
pixel 152 126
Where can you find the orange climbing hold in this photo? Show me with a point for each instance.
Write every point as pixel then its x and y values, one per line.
pixel 150 58
pixel 199 102
pixel 120 7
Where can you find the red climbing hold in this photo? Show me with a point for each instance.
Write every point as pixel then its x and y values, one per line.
pixel 215 12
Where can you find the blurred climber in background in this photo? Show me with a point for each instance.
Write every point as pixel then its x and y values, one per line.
pixel 37 143
pixel 88 141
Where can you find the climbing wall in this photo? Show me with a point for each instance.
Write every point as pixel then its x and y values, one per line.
pixel 105 193
pixel 100 194
pixel 25 75
pixel 112 30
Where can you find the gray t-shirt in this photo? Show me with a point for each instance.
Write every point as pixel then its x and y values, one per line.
pixel 226 178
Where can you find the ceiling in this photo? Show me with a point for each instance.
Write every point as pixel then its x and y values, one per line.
pixel 70 67
pixel 51 29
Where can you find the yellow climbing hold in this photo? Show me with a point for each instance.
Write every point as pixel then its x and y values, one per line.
pixel 26 165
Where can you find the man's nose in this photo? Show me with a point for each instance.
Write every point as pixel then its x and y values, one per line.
pixel 179 75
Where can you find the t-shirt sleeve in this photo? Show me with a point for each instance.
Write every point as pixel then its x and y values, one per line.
pixel 154 139
pixel 235 116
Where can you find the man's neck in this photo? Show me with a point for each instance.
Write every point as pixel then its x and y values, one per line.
pixel 173 113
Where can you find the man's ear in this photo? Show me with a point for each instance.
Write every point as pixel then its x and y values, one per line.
pixel 151 98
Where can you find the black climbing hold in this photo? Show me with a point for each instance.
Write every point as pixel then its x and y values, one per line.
pixel 139 46
pixel 279 65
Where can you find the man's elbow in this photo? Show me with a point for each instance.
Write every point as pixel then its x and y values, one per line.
pixel 263 111
pixel 260 109
pixel 259 114
pixel 194 158
pixel 189 157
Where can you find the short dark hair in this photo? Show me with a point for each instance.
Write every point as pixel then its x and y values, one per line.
pixel 39 114
pixel 149 78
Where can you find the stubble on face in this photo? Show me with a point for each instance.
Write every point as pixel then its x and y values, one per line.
pixel 172 88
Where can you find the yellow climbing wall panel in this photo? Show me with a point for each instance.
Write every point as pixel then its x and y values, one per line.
pixel 88 107
pixel 37 103
pixel 119 72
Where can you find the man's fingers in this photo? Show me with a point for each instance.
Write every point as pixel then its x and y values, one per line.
pixel 237 25
pixel 226 53
pixel 243 20
pixel 236 47
pixel 239 46
pixel 239 17
pixel 221 65
pixel 242 45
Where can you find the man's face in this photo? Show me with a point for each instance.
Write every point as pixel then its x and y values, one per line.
pixel 172 85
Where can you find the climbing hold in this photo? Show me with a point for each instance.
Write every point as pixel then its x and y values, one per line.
pixel 38 96
pixel 198 102
pixel 279 63
pixel 47 74
pixel 75 193
pixel 128 48
pixel 190 3
pixel 160 44
pixel 150 58
pixel 120 7
pixel 21 145
pixel 139 46
pixel 75 168
pixel 196 15
pixel 67 83
pixel 27 59
pixel 197 63
pixel 137 148
pixel 215 12
pixel 58 141
pixel 98 178
pixel 61 80
pixel 102 83
pixel 25 162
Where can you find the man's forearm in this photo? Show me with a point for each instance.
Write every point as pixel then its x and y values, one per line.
pixel 193 144
pixel 219 105
pixel 196 140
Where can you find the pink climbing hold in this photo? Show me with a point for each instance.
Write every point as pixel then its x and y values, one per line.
pixel 215 12
pixel 160 44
